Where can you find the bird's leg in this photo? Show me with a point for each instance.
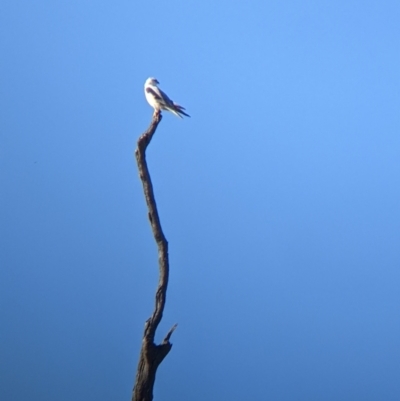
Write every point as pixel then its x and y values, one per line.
pixel 156 112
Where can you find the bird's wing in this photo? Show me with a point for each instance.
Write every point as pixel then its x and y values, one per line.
pixel 165 102
pixel 172 106
pixel 150 90
pixel 160 96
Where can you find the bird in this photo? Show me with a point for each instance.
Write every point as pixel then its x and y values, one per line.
pixel 159 100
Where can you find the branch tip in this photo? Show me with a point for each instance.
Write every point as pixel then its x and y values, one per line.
pixel 169 334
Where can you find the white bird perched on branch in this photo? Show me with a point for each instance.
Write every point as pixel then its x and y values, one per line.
pixel 159 100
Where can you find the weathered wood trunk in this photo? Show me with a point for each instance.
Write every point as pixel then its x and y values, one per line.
pixel 151 355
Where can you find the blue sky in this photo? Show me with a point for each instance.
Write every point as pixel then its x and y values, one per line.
pixel 279 197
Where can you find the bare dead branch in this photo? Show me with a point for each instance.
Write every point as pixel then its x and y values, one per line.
pixel 169 334
pixel 151 355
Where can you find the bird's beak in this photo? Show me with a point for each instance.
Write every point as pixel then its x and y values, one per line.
pixel 157 82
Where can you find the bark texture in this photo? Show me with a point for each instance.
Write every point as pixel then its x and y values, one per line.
pixel 151 354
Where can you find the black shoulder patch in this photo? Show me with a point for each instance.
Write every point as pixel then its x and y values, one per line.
pixel 149 90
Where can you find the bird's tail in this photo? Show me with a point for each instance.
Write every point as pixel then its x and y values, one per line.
pixel 175 111
pixel 180 109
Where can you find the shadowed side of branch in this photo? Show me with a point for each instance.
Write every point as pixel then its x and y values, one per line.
pixel 151 355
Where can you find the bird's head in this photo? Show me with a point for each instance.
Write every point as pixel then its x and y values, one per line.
pixel 151 81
